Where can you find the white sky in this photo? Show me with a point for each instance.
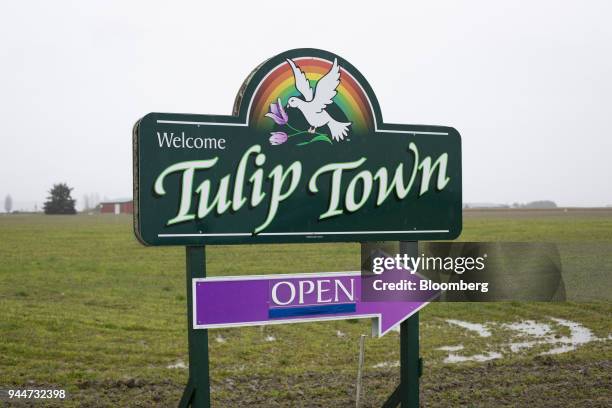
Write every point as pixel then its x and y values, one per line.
pixel 527 83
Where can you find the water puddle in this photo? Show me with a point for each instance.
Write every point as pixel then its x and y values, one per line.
pixel 522 336
pixel 180 364
pixel 451 348
pixel 456 358
pixel 481 329
pixel 387 364
pixel 530 328
pixel 579 335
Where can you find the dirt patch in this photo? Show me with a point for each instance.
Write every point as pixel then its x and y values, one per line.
pixel 541 382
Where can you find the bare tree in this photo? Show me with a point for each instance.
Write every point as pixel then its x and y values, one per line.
pixel 8 203
pixel 95 200
pixel 85 202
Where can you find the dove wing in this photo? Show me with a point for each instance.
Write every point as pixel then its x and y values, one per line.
pixel 301 83
pixel 326 88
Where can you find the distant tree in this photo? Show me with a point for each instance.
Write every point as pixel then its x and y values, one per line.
pixel 85 202
pixel 8 203
pixel 94 200
pixel 541 204
pixel 59 200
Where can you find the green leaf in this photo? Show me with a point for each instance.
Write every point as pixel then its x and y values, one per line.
pixel 317 138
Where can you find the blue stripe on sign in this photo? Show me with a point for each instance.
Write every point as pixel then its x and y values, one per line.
pixel 311 310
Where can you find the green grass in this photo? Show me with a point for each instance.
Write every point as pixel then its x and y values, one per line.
pixel 85 307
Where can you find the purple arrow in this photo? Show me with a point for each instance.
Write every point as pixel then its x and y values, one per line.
pixel 233 301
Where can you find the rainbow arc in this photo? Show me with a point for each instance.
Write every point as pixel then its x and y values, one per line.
pixel 279 83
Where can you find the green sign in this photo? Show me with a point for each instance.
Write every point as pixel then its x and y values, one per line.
pixel 306 157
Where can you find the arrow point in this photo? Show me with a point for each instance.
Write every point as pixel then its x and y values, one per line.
pixel 394 313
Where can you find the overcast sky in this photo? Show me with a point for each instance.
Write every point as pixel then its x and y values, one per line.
pixel 527 84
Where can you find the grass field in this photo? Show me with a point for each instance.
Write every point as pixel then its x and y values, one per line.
pixel 85 307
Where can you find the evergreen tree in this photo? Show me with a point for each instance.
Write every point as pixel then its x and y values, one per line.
pixel 59 200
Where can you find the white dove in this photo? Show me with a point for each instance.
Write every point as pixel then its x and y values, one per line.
pixel 313 107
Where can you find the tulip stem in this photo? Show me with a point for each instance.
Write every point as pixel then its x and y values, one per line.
pixel 298 133
pixel 320 137
pixel 315 135
pixel 292 128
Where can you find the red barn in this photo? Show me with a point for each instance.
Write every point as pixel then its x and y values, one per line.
pixel 125 206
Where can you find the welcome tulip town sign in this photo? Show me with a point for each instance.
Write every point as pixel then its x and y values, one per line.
pixel 305 157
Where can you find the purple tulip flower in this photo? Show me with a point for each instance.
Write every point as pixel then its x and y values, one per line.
pixel 277 113
pixel 277 138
